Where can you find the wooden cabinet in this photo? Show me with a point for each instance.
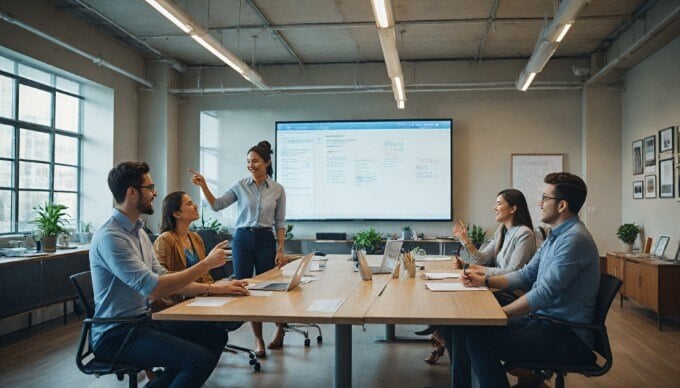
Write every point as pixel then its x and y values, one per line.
pixel 648 281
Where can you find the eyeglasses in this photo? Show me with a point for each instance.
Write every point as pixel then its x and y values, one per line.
pixel 545 198
pixel 151 187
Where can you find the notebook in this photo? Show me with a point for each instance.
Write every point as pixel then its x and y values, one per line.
pixel 294 280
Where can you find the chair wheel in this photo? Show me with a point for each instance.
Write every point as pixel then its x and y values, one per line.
pixel 252 361
pixel 319 339
pixel 307 341
pixel 256 367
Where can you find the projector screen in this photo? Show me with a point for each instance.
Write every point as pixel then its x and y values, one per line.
pixel 365 170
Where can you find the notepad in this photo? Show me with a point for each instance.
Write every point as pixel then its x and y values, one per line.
pixel 451 287
pixel 326 305
pixel 260 293
pixel 210 301
pixel 434 258
pixel 439 275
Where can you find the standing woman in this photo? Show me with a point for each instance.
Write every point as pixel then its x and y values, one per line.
pixel 261 205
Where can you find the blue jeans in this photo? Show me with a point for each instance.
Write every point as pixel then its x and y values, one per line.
pixel 524 339
pixel 252 249
pixel 189 351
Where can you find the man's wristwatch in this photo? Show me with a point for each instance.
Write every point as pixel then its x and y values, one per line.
pixel 486 280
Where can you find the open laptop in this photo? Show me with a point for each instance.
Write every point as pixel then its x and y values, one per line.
pixel 294 280
pixel 390 257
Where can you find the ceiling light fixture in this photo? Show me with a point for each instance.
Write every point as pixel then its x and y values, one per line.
pixel 382 9
pixel 181 19
pixel 549 40
pixel 384 19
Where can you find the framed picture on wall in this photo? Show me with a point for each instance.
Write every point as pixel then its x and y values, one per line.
pixel 650 186
pixel 677 180
pixel 637 189
pixel 666 140
pixel 677 139
pixel 650 152
pixel 666 178
pixel 677 254
pixel 637 157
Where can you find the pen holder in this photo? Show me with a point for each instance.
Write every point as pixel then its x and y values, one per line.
pixel 409 269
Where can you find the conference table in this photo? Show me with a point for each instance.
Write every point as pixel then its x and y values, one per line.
pixel 383 300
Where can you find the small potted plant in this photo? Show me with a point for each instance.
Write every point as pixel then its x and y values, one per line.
pixel 292 245
pixel 476 235
pixel 627 233
pixel 368 239
pixel 406 233
pixel 84 233
pixel 49 220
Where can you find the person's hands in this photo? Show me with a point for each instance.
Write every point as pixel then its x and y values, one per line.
pixel 237 287
pixel 476 268
pixel 460 231
pixel 196 178
pixel 473 279
pixel 281 259
pixel 457 262
pixel 218 256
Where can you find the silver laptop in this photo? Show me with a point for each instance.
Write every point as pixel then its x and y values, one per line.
pixel 390 258
pixel 294 280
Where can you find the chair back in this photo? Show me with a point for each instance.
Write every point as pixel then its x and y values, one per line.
pixel 82 282
pixel 609 286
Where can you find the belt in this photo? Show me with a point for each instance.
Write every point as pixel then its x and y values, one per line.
pixel 258 228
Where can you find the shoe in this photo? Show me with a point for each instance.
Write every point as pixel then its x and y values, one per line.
pixel 433 357
pixel 276 344
pixel 260 353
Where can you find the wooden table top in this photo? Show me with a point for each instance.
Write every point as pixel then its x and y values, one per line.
pixel 404 300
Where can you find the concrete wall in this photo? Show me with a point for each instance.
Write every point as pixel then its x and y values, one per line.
pixel 650 102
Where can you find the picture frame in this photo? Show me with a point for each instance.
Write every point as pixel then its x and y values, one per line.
pixel 638 168
pixel 677 254
pixel 677 138
pixel 666 178
pixel 638 189
pixel 666 140
pixel 661 245
pixel 650 186
pixel 650 152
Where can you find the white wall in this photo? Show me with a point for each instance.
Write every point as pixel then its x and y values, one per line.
pixel 650 102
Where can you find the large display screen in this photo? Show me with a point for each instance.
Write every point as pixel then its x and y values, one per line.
pixel 365 170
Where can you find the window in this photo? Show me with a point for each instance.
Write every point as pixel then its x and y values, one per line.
pixel 40 142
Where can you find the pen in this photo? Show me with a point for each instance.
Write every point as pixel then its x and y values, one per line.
pixel 465 267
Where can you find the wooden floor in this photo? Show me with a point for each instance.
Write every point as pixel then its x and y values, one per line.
pixel 643 357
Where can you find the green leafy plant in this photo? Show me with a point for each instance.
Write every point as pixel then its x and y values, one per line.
pixel 628 233
pixel 289 232
pixel 84 227
pixel 49 219
pixel 369 239
pixel 406 227
pixel 209 224
pixel 476 234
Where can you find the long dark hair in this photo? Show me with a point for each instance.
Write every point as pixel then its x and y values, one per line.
pixel 264 150
pixel 171 203
pixel 522 216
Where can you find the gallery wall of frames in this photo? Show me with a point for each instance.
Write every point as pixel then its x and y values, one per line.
pixel 656 165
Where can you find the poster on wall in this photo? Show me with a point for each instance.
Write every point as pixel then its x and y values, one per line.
pixel 637 189
pixel 637 157
pixel 650 186
pixel 650 154
pixel 666 178
pixel 666 140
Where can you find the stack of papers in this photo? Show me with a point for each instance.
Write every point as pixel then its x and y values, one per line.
pixel 326 305
pixel 434 258
pixel 210 301
pixel 451 287
pixel 439 275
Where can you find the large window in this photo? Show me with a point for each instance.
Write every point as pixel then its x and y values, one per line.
pixel 40 136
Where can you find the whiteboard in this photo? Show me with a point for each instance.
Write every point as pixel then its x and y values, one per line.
pixel 528 171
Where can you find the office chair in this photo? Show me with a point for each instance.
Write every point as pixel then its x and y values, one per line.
pixel 82 282
pixel 609 286
pixel 298 328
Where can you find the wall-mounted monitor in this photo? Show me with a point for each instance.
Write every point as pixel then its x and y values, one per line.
pixel 365 170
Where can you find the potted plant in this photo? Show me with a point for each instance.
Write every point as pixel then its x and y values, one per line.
pixel 406 233
pixel 84 233
pixel 368 239
pixel 49 220
pixel 476 235
pixel 211 232
pixel 292 246
pixel 627 233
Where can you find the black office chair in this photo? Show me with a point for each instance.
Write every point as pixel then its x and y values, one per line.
pixel 85 359
pixel 298 328
pixel 609 286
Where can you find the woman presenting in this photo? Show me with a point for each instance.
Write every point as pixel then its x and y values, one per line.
pixel 261 206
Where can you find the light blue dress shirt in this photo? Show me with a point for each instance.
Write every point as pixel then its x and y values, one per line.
pixel 124 271
pixel 262 206
pixel 564 276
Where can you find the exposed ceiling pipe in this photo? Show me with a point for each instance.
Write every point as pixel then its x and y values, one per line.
pixel 98 60
pixel 275 34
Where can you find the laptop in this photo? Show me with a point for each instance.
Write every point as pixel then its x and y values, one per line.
pixel 294 280
pixel 390 257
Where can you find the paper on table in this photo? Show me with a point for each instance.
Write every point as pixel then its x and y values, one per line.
pixel 326 305
pixel 451 287
pixel 260 293
pixel 439 275
pixel 307 279
pixel 434 258
pixel 210 301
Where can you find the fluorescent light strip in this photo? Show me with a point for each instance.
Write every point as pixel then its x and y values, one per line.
pixel 528 81
pixel 564 31
pixel 183 26
pixel 399 86
pixel 380 9
pixel 400 104
pixel 217 53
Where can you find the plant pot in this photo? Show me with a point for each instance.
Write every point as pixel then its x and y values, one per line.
pixel 627 248
pixel 83 237
pixel 406 234
pixel 49 243
pixel 209 238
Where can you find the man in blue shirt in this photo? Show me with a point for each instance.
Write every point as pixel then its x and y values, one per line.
pixel 563 280
pixel 126 277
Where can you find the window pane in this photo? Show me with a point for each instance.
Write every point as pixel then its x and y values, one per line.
pixel 34 145
pixel 5 211
pixel 27 200
pixel 65 178
pixel 70 200
pixel 35 75
pixel 35 105
pixel 6 97
pixel 68 85
pixel 34 175
pixel 67 112
pixel 6 173
pixel 6 141
pixel 65 149
pixel 6 65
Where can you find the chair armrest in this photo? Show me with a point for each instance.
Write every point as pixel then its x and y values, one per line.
pixel 576 325
pixel 134 320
